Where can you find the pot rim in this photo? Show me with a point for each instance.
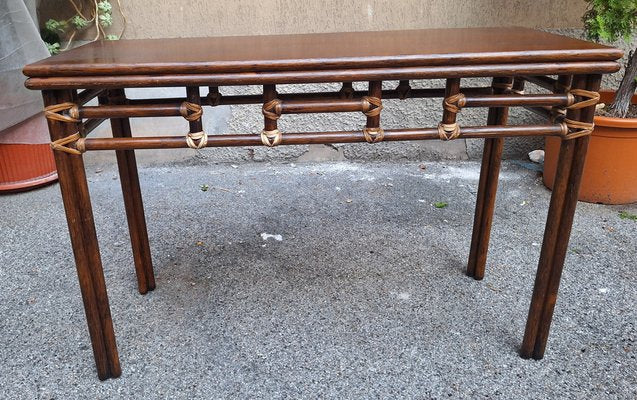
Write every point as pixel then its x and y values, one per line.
pixel 627 126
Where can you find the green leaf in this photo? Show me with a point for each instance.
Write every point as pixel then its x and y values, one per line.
pixel 53 48
pixel 610 20
pixel 105 6
pixel 78 22
pixel 440 204
pixel 55 26
pixel 627 215
pixel 106 20
pixel 111 37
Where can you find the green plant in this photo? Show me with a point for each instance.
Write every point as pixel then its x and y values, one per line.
pixel 627 215
pixel 611 20
pixel 87 14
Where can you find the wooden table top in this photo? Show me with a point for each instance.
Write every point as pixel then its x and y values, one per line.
pixel 427 47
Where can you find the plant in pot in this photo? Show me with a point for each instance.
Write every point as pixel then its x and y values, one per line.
pixel 610 171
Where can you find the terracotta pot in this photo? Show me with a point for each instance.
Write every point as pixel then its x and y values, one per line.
pixel 26 159
pixel 610 170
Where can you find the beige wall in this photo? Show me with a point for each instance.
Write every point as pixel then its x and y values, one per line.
pixel 183 18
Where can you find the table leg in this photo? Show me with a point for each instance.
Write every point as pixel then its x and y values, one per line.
pixel 79 216
pixel 487 188
pixel 558 229
pixel 133 202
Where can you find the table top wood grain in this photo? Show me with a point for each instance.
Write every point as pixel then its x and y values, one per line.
pixel 303 52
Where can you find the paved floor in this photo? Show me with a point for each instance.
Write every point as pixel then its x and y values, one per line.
pixel 362 295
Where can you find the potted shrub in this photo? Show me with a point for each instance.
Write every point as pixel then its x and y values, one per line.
pixel 610 171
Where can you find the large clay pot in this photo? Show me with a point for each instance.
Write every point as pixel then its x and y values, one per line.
pixel 610 170
pixel 26 159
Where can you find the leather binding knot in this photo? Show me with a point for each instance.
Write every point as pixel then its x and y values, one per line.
pixel 574 129
pixel 373 135
pixel 557 113
pixel 403 89
pixel 454 103
pixel 197 140
pixel 55 112
pixel 190 111
pixel 372 105
pixel 61 144
pixel 272 109
pixel 214 98
pixel 448 131
pixel 271 138
pixel 592 98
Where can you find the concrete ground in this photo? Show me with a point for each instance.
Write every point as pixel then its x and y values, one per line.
pixel 363 294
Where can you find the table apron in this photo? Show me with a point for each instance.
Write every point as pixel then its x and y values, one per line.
pixel 321 76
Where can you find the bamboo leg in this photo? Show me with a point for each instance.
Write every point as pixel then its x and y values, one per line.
pixel 269 93
pixel 558 229
pixel 375 90
pixel 133 202
pixel 487 188
pixel 79 215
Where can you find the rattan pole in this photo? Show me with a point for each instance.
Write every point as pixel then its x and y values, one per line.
pixel 562 85
pixel 133 203
pixel 545 82
pixel 79 216
pixel 297 138
pixel 558 228
pixel 89 125
pixel 516 100
pixel 347 91
pixel 321 76
pixel 87 95
pixel 193 96
pixel 551 232
pixel 485 201
pixel 375 90
pixel 258 99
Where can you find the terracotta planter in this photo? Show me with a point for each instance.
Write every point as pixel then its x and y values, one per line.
pixel 26 159
pixel 610 170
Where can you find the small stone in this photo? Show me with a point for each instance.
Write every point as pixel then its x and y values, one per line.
pixel 537 156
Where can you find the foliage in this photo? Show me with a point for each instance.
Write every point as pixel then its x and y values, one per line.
pixel 610 20
pixel 96 14
pixel 79 22
pixel 52 48
pixel 627 215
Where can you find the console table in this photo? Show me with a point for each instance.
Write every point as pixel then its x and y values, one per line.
pixel 568 71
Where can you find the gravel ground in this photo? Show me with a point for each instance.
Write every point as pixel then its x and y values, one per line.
pixel 363 296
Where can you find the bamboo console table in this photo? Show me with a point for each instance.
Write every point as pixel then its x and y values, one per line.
pixel 568 71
